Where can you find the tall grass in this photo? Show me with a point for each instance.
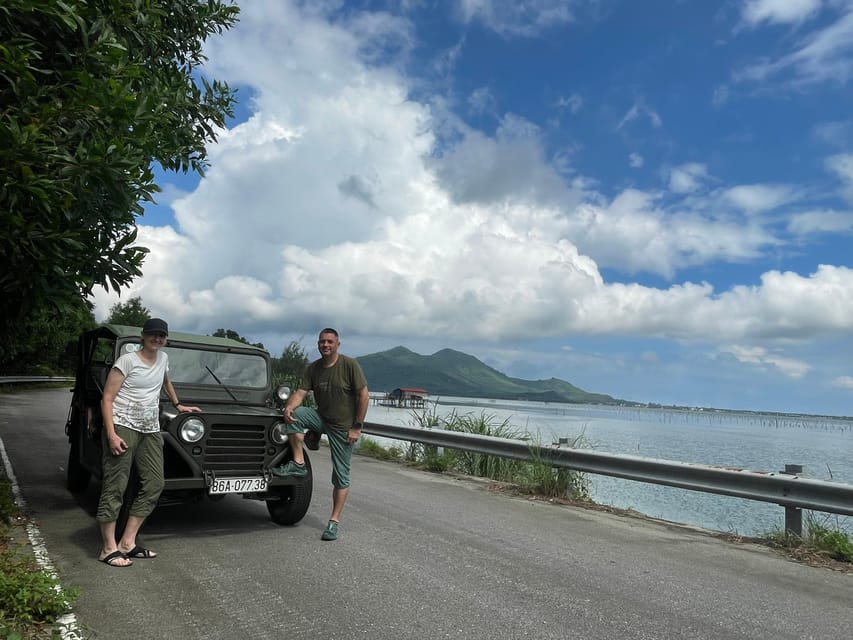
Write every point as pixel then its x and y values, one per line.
pixel 477 464
pixel 537 476
pixel 827 536
pixel 557 482
pixel 417 451
pixel 823 535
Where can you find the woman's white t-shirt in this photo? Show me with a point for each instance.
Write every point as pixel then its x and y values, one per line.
pixel 137 403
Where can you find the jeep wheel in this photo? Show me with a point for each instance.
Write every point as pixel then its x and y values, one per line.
pixel 78 476
pixel 292 502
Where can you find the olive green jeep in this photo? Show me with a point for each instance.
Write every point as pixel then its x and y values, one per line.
pixel 228 448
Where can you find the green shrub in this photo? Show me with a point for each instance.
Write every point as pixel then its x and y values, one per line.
pixel 8 508
pixel 438 460
pixel 824 536
pixel 368 447
pixel 27 593
pixel 31 599
pixel 828 539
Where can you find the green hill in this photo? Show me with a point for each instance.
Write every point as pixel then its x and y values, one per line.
pixel 453 373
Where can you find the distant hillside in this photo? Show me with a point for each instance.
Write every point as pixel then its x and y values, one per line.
pixel 453 373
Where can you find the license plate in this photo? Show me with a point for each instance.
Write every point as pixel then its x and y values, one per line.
pixel 238 485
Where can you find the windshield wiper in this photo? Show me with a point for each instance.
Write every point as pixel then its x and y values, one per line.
pixel 233 397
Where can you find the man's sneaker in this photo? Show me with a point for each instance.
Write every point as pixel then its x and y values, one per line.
pixel 331 532
pixel 312 440
pixel 290 470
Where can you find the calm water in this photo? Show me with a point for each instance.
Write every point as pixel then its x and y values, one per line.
pixel 758 442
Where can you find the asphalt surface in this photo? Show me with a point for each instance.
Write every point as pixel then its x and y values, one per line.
pixel 420 556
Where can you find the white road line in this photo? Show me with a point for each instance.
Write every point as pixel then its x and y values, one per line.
pixel 67 623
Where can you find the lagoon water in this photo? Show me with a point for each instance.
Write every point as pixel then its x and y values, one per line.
pixel 753 441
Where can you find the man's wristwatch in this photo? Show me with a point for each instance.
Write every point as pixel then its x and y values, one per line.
pixel 357 426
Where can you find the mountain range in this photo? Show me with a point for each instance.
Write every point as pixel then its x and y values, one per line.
pixel 453 373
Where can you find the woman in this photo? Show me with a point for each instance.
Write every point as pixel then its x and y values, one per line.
pixel 131 438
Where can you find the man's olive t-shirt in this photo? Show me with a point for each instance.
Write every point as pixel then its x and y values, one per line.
pixel 335 390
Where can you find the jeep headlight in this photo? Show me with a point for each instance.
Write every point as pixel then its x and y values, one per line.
pixel 192 430
pixel 278 433
pixel 283 392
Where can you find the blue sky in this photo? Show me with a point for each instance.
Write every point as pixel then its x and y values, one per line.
pixel 652 200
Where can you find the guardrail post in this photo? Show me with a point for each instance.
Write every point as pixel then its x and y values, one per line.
pixel 794 515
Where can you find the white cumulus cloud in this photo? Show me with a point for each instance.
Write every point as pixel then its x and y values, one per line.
pixel 755 12
pixel 821 221
pixel 687 177
pixel 341 201
pixel 756 198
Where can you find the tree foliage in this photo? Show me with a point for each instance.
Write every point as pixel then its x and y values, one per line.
pixel 91 95
pixel 291 364
pixel 287 369
pixel 131 313
pixel 233 335
pixel 44 342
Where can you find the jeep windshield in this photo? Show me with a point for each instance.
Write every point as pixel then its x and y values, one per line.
pixel 234 370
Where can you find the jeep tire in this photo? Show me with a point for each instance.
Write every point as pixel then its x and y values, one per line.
pixel 292 501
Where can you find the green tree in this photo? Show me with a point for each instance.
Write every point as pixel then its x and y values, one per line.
pixel 46 340
pixel 233 335
pixel 289 367
pixel 92 95
pixel 132 313
pixel 293 360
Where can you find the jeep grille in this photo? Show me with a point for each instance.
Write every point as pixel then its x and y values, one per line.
pixel 235 449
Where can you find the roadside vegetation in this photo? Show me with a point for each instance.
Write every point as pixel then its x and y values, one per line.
pixel 824 539
pixel 31 600
pixel 536 477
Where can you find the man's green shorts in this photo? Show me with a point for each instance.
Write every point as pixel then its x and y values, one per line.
pixel 308 418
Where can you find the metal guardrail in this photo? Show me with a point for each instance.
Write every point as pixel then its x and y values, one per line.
pixel 33 379
pixel 789 490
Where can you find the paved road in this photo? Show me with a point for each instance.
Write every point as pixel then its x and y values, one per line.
pixel 420 556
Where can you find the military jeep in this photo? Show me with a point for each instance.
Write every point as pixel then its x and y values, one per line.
pixel 228 448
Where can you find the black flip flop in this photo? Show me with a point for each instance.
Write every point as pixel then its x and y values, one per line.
pixel 109 558
pixel 140 552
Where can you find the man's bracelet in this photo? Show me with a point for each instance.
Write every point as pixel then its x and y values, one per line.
pixel 357 426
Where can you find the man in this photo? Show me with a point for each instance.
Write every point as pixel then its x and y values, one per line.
pixel 340 390
pixel 131 438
